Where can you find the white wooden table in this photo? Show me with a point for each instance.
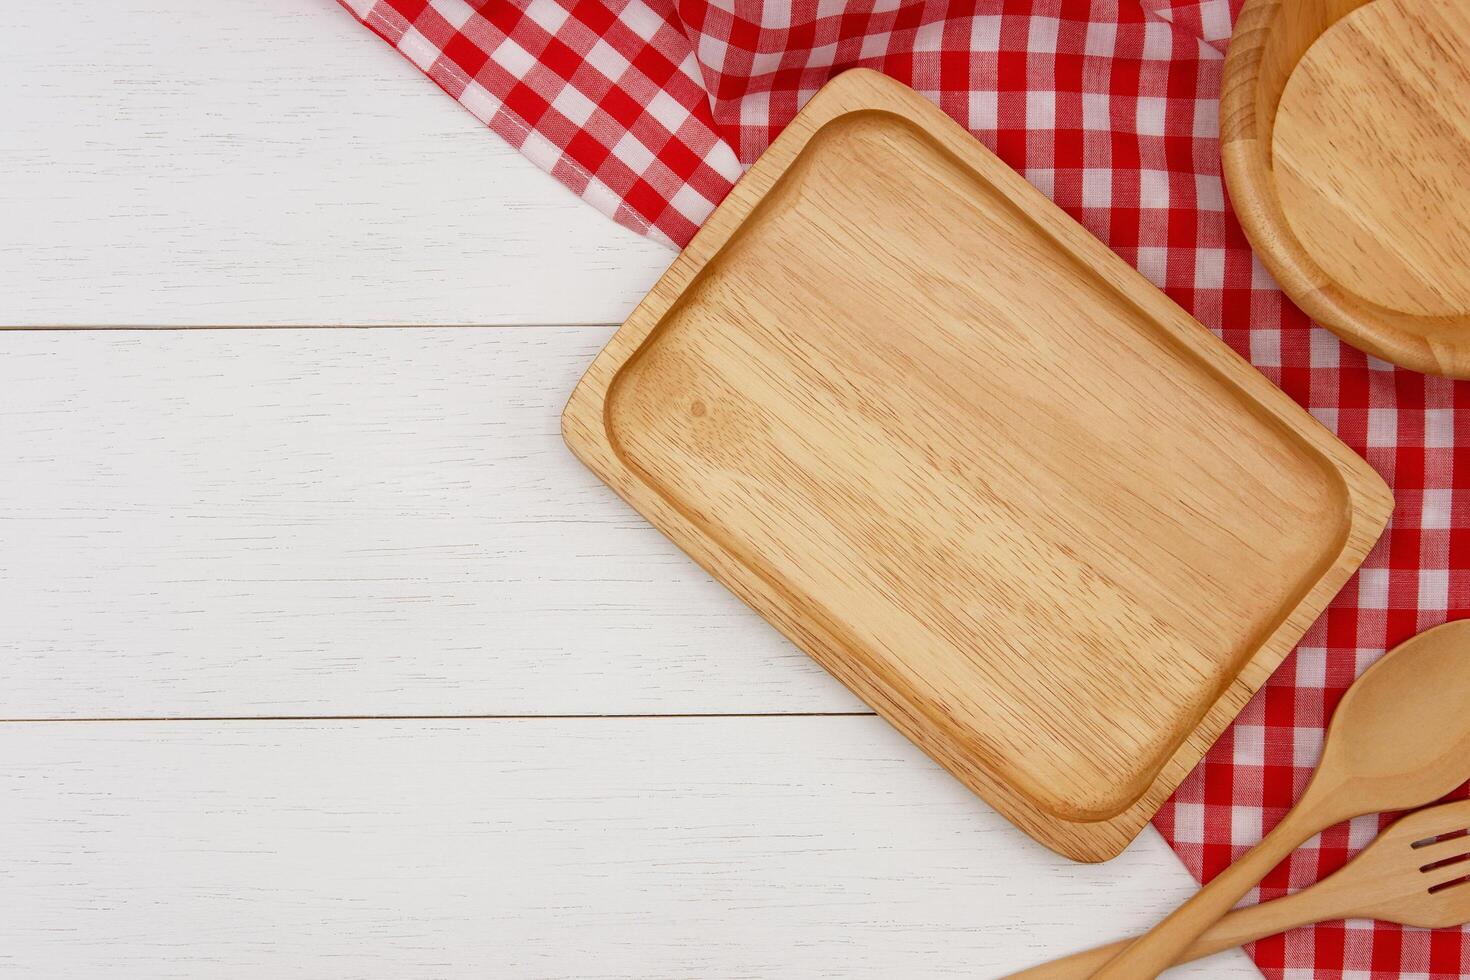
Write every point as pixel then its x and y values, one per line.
pixel 319 655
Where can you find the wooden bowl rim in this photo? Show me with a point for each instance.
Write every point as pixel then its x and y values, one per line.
pixel 1431 344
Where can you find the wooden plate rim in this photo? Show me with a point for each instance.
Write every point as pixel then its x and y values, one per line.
pixel 586 429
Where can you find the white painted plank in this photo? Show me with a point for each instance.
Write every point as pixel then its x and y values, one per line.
pixel 342 522
pixel 271 162
pixel 632 848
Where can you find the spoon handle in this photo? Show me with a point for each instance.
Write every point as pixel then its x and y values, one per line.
pixel 1238 928
pixel 1157 949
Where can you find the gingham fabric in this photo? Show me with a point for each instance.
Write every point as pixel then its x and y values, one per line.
pixel 649 109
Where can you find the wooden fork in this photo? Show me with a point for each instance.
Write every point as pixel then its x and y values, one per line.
pixel 1416 873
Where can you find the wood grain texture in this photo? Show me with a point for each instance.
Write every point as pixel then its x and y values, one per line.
pixel 635 848
pixel 168 163
pixel 342 522
pixel 1345 141
pixel 975 465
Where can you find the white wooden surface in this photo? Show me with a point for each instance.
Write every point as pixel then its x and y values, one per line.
pixel 270 161
pixel 343 522
pixel 266 523
pixel 589 848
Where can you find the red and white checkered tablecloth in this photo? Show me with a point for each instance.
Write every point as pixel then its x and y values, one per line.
pixel 649 109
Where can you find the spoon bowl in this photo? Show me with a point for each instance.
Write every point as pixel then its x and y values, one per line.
pixel 1401 735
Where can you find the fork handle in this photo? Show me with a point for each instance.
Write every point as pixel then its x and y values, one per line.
pixel 1236 929
pixel 1156 950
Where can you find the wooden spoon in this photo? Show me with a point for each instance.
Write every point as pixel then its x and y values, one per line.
pixel 1399 739
pixel 1407 875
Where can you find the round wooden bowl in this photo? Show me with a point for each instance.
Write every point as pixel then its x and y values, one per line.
pixel 1345 139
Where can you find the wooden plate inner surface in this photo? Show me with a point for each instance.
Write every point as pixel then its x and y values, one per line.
pixel 979 464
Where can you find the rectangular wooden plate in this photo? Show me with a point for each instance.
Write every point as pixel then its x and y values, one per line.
pixel 978 467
